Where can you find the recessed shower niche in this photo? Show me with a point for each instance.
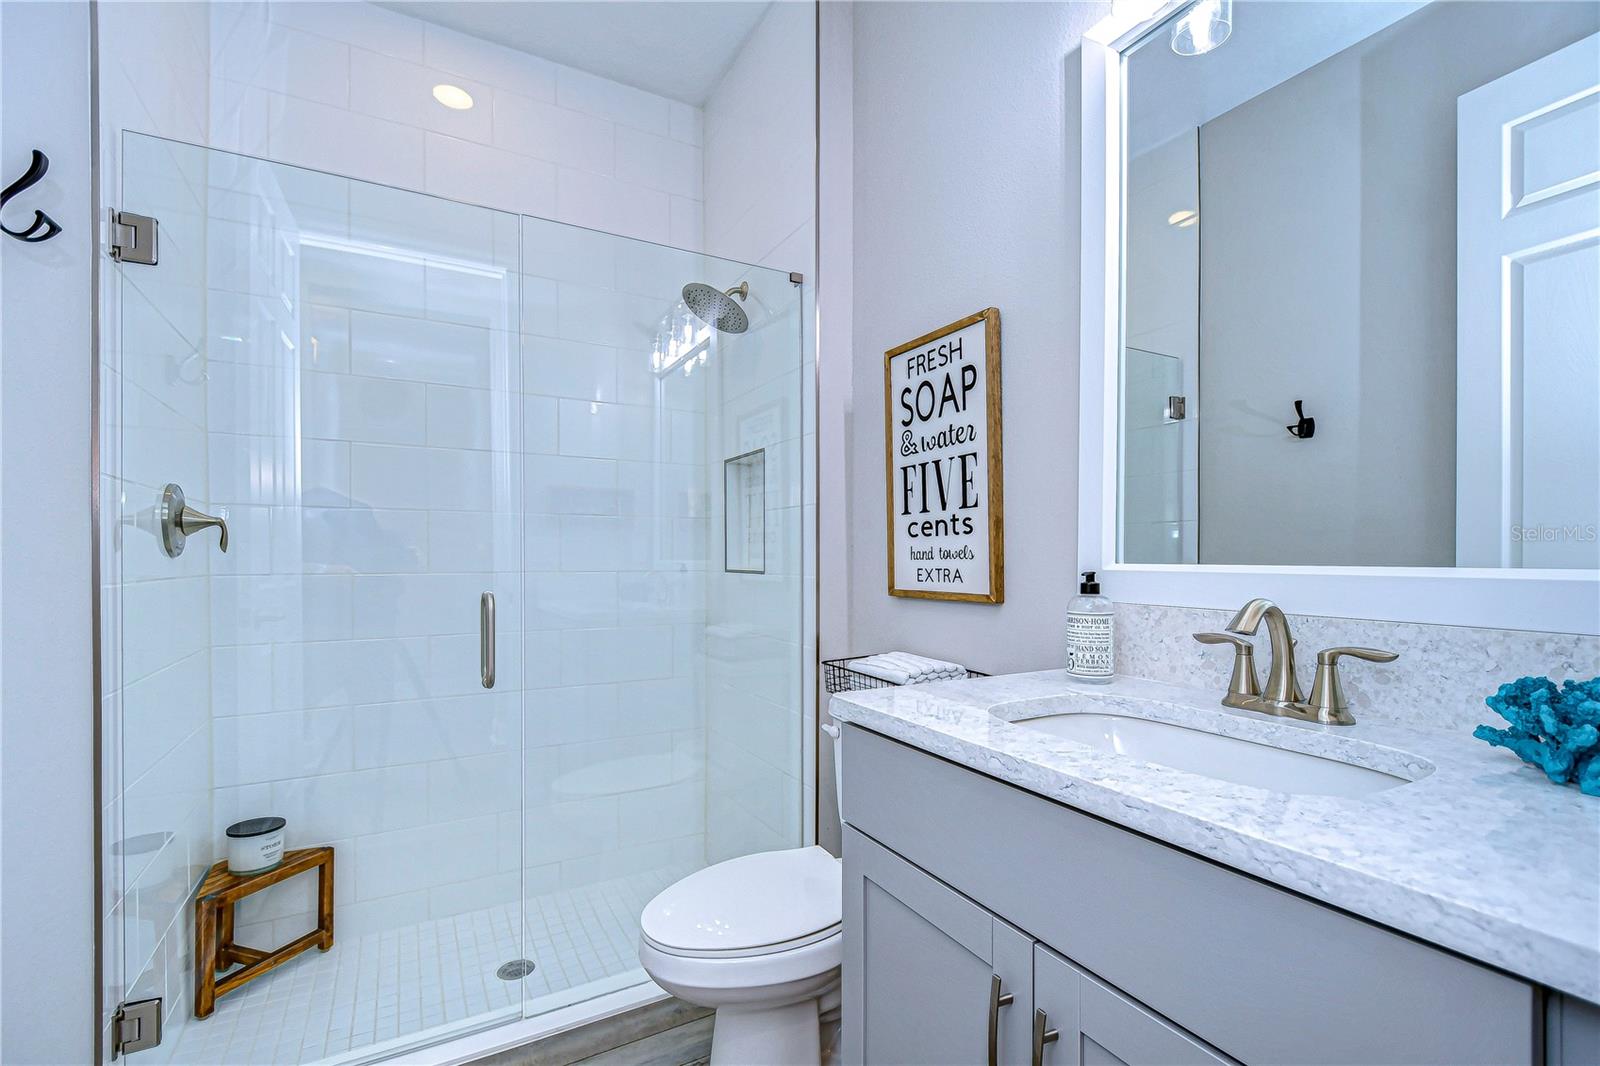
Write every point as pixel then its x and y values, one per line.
pixel 744 484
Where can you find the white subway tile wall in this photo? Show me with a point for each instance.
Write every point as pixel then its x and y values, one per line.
pixel 348 88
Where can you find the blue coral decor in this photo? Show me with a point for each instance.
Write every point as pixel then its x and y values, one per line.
pixel 1555 729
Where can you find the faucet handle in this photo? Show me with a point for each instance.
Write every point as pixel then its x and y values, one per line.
pixel 1242 644
pixel 1328 703
pixel 1243 682
pixel 1330 656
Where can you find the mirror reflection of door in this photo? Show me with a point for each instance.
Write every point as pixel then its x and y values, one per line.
pixel 1528 314
pixel 1301 224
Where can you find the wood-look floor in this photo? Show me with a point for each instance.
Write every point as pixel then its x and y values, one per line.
pixel 669 1033
pixel 685 1045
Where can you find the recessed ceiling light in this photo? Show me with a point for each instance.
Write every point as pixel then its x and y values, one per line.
pixel 1183 219
pixel 452 96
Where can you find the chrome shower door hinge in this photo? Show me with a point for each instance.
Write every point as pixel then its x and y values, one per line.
pixel 1177 408
pixel 134 238
pixel 136 1027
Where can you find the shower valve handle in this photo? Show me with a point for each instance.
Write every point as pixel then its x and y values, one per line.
pixel 179 522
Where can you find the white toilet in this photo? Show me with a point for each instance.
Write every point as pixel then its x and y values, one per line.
pixel 757 938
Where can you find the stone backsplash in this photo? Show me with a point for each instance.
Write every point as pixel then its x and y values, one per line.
pixel 1439 681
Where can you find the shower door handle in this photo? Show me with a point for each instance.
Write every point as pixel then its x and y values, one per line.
pixel 486 639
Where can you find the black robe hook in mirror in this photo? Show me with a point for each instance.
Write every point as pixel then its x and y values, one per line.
pixel 1304 428
pixel 43 227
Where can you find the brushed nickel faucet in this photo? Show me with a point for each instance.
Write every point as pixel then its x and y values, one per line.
pixel 1281 687
pixel 1282 695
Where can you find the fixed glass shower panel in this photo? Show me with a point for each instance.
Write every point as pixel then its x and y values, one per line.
pixel 330 368
pixel 662 705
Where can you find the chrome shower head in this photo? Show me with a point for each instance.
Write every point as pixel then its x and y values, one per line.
pixel 716 308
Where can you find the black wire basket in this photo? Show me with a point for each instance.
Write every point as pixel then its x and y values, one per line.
pixel 838 677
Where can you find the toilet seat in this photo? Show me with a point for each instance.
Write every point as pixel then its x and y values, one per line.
pixel 762 904
pixel 773 977
pixel 740 952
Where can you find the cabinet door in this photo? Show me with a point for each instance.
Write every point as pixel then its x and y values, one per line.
pixel 1572 1032
pixel 1095 1025
pixel 920 969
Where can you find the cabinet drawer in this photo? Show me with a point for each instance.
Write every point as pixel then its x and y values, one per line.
pixel 1262 974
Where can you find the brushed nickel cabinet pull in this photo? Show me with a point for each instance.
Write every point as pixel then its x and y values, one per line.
pixel 1042 1036
pixel 997 999
pixel 486 639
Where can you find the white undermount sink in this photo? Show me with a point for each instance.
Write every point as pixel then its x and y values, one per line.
pixel 1242 762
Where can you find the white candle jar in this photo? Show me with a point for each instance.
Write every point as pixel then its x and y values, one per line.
pixel 255 845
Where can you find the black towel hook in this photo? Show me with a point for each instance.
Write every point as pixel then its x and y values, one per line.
pixel 43 226
pixel 1304 428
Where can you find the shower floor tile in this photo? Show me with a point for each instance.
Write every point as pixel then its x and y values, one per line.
pixel 399 983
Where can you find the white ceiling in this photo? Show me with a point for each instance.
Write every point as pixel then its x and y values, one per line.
pixel 675 48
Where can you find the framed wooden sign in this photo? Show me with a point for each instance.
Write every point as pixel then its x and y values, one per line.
pixel 941 405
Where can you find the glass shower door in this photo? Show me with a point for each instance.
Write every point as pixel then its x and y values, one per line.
pixel 330 368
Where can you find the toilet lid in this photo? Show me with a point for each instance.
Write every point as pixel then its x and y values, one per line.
pixel 752 902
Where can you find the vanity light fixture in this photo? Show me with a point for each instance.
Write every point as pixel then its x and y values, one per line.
pixel 1203 27
pixel 1183 219
pixel 453 96
pixel 1135 10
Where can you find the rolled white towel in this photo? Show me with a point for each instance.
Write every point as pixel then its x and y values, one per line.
pixel 903 668
pixel 940 667
pixel 926 669
pixel 877 666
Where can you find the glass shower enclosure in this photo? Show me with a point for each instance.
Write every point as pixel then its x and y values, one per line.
pixel 485 622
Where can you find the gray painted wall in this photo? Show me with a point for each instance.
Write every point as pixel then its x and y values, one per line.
pixel 46 666
pixel 965 196
pixel 1327 249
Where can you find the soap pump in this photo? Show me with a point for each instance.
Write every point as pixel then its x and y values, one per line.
pixel 1091 634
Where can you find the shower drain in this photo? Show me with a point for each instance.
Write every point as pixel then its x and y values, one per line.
pixel 515 970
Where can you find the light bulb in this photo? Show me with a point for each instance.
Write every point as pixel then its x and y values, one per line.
pixel 1203 27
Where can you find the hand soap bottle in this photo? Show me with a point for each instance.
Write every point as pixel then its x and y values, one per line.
pixel 1091 634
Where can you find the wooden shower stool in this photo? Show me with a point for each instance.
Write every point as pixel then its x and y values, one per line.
pixel 215 950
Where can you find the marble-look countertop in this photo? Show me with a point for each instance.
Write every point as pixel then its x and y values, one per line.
pixel 1478 853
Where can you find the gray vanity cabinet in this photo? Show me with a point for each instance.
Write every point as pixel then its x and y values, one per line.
pixel 934 974
pixel 938 977
pixel 1145 953
pixel 1572 1033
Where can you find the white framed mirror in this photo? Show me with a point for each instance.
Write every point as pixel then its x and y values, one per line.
pixel 1341 315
